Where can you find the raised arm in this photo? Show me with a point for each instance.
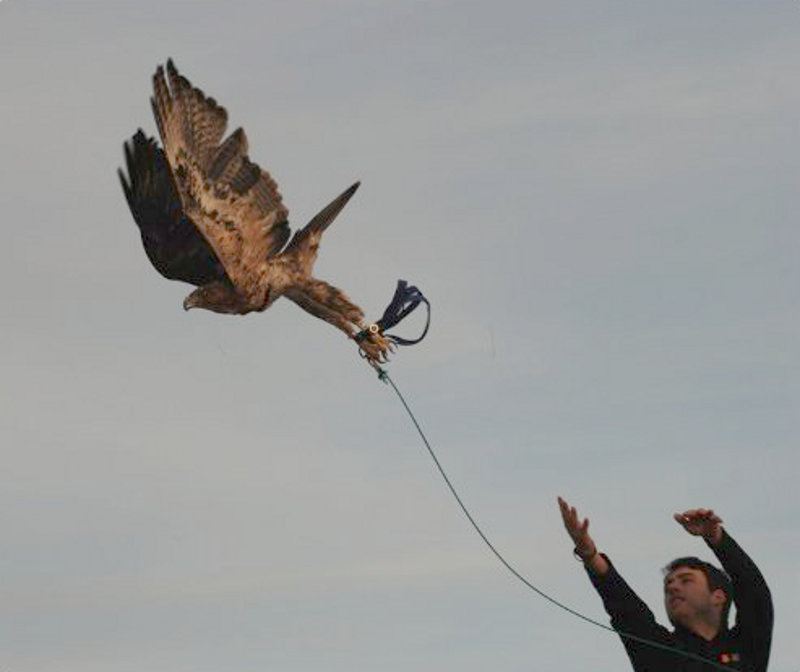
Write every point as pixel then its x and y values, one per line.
pixel 629 614
pixel 754 610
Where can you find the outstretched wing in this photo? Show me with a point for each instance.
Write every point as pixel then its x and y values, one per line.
pixel 172 243
pixel 234 204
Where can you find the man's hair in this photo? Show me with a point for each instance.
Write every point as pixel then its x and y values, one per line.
pixel 717 579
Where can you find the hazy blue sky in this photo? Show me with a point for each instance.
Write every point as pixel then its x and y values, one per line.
pixel 601 200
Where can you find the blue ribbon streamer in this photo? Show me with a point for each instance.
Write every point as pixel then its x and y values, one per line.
pixel 405 301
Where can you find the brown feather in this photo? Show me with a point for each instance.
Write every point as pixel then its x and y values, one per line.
pixel 328 303
pixel 216 219
pixel 235 205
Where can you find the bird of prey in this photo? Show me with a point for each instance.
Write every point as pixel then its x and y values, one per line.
pixel 210 216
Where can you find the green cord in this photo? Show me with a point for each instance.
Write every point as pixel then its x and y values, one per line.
pixel 384 376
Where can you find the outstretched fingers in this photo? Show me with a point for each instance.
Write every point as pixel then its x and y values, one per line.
pixel 702 523
pixel 697 516
pixel 577 529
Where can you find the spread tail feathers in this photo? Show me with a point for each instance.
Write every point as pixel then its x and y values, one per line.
pixel 304 243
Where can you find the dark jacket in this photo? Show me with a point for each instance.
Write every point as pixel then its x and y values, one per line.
pixel 744 647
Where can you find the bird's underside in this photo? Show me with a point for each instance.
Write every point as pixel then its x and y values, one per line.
pixel 211 217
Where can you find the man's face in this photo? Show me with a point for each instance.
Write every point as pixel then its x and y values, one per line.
pixel 687 597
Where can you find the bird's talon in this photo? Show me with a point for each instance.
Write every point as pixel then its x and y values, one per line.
pixel 373 345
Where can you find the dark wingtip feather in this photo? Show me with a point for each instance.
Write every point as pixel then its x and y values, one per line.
pixel 126 188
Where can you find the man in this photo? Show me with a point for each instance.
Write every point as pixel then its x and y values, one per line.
pixel 697 597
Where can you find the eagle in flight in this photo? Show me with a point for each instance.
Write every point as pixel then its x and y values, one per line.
pixel 211 217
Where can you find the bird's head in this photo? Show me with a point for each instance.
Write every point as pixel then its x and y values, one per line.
pixel 218 297
pixel 193 301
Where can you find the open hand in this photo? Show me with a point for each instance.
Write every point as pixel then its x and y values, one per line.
pixel 702 523
pixel 578 530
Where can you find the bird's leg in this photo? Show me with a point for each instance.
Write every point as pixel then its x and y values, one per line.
pixel 330 304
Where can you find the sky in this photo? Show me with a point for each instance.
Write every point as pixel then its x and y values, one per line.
pixel 600 199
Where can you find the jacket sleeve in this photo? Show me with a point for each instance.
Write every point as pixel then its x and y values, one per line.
pixel 631 616
pixel 754 611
